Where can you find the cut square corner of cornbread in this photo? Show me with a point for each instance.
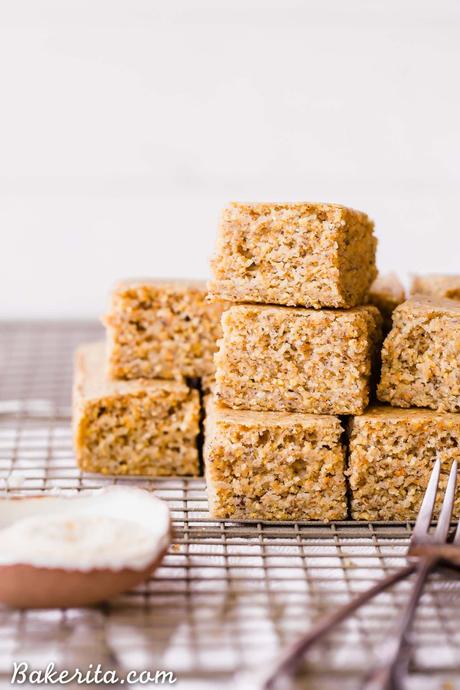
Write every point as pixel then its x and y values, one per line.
pixel 391 456
pixel 286 359
pixel 139 427
pixel 421 355
pixel 162 328
pixel 436 285
pixel 273 466
pixel 294 254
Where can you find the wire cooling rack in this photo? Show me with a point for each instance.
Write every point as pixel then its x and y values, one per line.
pixel 228 596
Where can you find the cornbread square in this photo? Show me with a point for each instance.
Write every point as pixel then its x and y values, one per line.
pixel 296 360
pixel 436 285
pixel 162 329
pixel 386 293
pixel 147 427
pixel 421 355
pixel 391 457
pixel 274 466
pixel 294 254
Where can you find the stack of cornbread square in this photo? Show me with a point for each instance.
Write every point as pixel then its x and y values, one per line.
pixel 137 407
pixel 276 363
pixel 392 448
pixel 278 355
pixel 296 352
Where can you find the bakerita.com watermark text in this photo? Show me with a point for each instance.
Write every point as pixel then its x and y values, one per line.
pixel 22 673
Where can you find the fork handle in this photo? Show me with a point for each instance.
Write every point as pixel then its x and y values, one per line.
pixel 388 673
pixel 290 659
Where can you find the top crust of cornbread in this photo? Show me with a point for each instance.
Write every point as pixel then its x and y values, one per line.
pixel 447 286
pixel 91 381
pixel 365 310
pixel 307 208
pixel 396 415
pixel 216 412
pixel 293 254
pixel 428 306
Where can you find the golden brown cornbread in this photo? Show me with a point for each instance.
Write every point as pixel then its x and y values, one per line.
pixel 436 285
pixel 162 329
pixel 294 254
pixel 421 355
pixel 386 293
pixel 296 360
pixel 146 427
pixel 391 457
pixel 273 466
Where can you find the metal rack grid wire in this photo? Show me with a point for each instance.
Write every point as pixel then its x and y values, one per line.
pixel 228 596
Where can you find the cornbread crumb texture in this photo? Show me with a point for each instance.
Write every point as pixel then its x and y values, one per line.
pixel 273 466
pixel 391 457
pixel 447 286
pixel 294 254
pixel 147 427
pixel 296 360
pixel 386 293
pixel 162 329
pixel 421 355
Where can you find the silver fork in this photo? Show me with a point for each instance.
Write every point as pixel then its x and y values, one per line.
pixel 426 551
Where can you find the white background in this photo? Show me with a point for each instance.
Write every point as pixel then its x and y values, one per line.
pixel 125 125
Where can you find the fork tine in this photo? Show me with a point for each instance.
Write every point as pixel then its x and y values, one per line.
pixel 457 535
pixel 422 524
pixel 445 516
